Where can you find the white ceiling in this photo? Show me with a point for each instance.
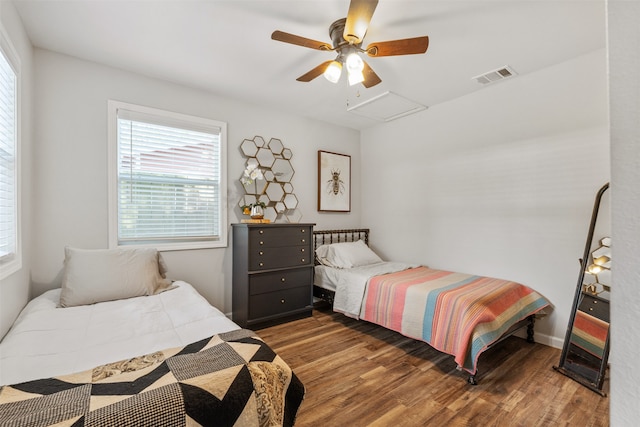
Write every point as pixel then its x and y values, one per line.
pixel 225 46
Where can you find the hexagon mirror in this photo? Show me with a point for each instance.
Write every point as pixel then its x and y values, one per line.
pixel 291 201
pixel 282 170
pixel 259 141
pixel 249 148
pixel 293 215
pixel 276 147
pixel 275 192
pixel 265 158
pixel 266 179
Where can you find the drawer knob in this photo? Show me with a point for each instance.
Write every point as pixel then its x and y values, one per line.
pixel 261 253
pixel 590 308
pixel 303 240
pixel 261 264
pixel 302 230
pixel 282 301
pixel 283 280
pixel 261 231
pixel 302 259
pixel 302 250
pixel 261 242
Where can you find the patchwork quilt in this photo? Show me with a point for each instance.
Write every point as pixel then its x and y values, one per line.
pixel 230 379
pixel 456 313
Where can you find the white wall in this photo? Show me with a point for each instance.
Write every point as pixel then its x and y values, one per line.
pixel 14 290
pixel 624 84
pixel 70 170
pixel 498 183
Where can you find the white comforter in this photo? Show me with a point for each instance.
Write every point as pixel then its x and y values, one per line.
pixel 47 341
pixel 351 283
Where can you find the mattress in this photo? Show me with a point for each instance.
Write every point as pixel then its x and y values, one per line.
pixel 47 341
pixel 350 284
pixel 325 277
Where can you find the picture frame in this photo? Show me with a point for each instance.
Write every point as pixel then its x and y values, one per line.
pixel 334 182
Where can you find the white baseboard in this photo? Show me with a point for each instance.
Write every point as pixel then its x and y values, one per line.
pixel 549 340
pixel 545 339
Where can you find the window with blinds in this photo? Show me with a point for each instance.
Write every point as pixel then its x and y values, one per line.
pixel 9 235
pixel 169 184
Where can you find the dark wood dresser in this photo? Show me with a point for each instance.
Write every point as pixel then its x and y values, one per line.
pixel 272 273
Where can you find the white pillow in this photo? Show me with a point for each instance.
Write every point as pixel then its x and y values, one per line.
pixel 346 254
pixel 97 275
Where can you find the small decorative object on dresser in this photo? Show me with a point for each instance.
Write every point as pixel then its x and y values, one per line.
pixel 272 273
pixel 257 212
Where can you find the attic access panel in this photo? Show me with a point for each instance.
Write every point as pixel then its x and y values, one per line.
pixel 386 107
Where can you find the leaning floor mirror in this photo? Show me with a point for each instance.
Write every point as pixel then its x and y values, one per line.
pixel 585 352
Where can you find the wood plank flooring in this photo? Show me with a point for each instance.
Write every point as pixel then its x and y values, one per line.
pixel 360 374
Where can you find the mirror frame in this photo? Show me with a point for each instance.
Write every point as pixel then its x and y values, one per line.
pixel 563 367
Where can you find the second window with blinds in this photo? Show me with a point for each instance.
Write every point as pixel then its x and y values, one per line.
pixel 167 184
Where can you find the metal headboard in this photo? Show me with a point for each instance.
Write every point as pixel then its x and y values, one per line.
pixel 326 237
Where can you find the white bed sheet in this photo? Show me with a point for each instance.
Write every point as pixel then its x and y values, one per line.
pixel 350 284
pixel 47 341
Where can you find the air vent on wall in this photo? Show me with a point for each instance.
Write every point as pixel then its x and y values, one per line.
pixel 495 75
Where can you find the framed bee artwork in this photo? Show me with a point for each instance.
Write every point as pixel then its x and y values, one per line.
pixel 334 182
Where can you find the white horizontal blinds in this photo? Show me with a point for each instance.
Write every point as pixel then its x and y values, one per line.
pixel 8 142
pixel 168 180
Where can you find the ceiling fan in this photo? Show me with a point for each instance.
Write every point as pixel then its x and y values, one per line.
pixel 346 36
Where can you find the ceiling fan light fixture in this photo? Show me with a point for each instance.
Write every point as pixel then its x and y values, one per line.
pixel 355 77
pixel 347 35
pixel 354 63
pixel 333 72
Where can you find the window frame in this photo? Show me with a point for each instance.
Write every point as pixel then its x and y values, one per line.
pixel 14 263
pixel 165 118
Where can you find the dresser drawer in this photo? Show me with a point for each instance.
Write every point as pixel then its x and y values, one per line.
pixel 279 280
pixel 279 302
pixel 272 237
pixel 272 273
pixel 270 257
pixel 595 306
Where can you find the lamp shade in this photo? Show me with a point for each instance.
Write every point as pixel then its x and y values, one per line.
pixel 333 71
pixel 354 63
pixel 355 77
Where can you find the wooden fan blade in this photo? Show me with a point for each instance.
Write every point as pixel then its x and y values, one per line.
pixel 358 18
pixel 399 47
pixel 370 77
pixel 281 36
pixel 314 73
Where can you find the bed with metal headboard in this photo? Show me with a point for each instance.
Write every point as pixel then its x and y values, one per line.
pixel 327 237
pixel 459 314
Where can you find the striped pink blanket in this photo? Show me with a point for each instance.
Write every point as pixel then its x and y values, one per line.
pixel 458 314
pixel 590 333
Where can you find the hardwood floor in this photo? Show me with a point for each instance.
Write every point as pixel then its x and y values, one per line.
pixel 360 374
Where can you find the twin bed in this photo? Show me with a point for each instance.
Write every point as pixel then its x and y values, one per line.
pixel 103 351
pixel 458 314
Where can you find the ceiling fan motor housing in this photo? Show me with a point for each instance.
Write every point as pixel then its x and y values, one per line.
pixel 336 32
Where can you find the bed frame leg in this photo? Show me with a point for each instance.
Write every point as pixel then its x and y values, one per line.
pixel 472 380
pixel 532 321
